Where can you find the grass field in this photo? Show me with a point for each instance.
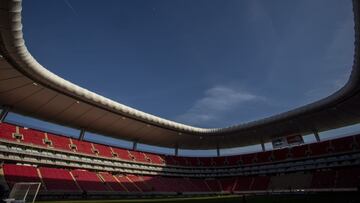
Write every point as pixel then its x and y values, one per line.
pixel 304 198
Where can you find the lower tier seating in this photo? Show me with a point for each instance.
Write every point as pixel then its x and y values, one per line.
pixel 89 181
pixel 56 179
pixel 19 173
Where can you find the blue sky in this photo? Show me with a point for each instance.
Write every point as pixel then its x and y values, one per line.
pixel 208 63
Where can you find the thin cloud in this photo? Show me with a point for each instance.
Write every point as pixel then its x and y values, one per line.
pixel 216 102
pixel 68 4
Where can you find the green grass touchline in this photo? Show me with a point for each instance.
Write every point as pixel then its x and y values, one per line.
pixel 184 199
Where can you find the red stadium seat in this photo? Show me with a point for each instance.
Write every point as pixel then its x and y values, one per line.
pixel 343 144
pixel 213 184
pixel 227 184
pixel 88 180
pixel 169 160
pixel 140 183
pixel 138 156
pixel 263 157
pixel 206 161
pixel 122 153
pixel 112 182
pixel 281 154
pixel 348 178
pixel 218 161
pixel 260 183
pixel 182 161
pixel 299 151
pixel 243 183
pixel 233 160
pixel 320 148
pixel 58 179
pixel 323 179
pixel 34 137
pixel 83 147
pixel 103 150
pixel 154 158
pixel 193 161
pixel 7 131
pixel 59 142
pixel 128 184
pixel 247 158
pixel 200 185
pixel 19 173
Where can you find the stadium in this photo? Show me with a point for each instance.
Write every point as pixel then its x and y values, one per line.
pixel 45 166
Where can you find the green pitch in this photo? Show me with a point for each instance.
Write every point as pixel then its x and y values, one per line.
pixel 229 199
pixel 304 198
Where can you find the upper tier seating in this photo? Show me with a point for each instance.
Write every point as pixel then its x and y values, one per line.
pixel 102 150
pixel 299 151
pixel 154 158
pixel 59 142
pixel 205 161
pixel 343 144
pixel 263 157
pixel 281 154
pixel 57 179
pixel 88 180
pixel 138 156
pixel 248 158
pixel 33 136
pixel 7 131
pixel 233 160
pixel 83 147
pixel 169 160
pixel 182 161
pixel 219 161
pixel 122 153
pixel 192 161
pixel 38 138
pixel 319 148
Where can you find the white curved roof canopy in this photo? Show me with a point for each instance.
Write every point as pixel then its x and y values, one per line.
pixel 30 89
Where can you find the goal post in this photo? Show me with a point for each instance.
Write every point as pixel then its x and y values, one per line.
pixel 23 192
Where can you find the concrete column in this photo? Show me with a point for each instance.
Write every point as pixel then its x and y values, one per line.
pixel 4 112
pixel 316 134
pixel 263 147
pixel 82 134
pixel 134 145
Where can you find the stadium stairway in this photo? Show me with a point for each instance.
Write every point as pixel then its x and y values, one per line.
pixel 3 182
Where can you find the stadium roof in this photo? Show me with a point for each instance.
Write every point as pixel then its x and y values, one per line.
pixel 28 88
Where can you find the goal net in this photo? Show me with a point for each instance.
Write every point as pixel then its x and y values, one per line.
pixel 23 192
